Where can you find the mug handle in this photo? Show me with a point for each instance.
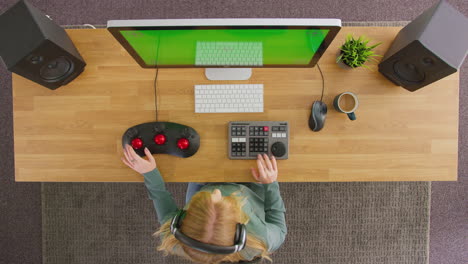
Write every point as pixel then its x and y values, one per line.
pixel 351 116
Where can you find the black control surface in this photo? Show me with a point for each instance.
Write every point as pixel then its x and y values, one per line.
pixel 163 138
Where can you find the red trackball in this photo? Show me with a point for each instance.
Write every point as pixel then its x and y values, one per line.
pixel 183 143
pixel 137 143
pixel 160 139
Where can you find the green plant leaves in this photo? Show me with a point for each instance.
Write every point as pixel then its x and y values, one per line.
pixel 355 52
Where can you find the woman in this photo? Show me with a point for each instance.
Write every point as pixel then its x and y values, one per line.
pixel 214 212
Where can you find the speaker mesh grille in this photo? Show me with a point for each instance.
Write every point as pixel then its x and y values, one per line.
pixel 56 69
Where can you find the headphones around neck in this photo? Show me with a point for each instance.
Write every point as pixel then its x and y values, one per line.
pixel 239 239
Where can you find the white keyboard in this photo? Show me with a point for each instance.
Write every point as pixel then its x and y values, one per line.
pixel 229 98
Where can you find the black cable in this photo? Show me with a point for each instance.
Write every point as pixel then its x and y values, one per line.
pixel 323 81
pixel 156 92
pixel 156 78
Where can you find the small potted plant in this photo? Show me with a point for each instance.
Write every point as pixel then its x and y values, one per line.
pixel 355 52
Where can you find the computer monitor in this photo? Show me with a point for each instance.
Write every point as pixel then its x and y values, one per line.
pixel 227 48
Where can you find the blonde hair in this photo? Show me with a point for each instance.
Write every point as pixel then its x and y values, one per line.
pixel 213 223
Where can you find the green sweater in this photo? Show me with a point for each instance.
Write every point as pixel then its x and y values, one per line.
pixel 264 207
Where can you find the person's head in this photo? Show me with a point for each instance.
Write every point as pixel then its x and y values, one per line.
pixel 210 218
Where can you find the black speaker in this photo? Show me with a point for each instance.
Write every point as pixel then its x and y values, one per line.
pixel 429 48
pixel 33 46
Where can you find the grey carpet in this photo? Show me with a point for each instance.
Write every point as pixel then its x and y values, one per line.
pixel 327 222
pixel 20 213
pixel 20 204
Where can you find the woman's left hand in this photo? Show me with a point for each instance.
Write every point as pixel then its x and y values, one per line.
pixel 137 163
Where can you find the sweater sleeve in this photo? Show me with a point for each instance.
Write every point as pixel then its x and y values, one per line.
pixel 162 199
pixel 274 216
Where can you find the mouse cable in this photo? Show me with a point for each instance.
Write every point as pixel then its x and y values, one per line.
pixel 323 81
pixel 156 92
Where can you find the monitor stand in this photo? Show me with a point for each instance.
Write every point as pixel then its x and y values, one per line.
pixel 228 74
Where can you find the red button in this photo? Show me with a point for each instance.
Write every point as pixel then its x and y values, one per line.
pixel 266 129
pixel 160 139
pixel 183 143
pixel 137 143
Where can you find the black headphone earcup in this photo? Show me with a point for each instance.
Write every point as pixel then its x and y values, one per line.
pixel 238 233
pixel 176 221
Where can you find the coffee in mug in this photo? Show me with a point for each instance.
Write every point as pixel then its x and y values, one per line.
pixel 347 103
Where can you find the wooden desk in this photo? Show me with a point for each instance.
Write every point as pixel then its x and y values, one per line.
pixel 74 133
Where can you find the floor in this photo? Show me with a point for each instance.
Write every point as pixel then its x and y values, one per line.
pixel 20 203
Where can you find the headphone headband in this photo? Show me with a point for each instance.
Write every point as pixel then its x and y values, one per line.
pixel 239 239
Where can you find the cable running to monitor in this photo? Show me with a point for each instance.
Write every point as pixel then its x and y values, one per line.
pixel 156 79
pixel 156 92
pixel 323 81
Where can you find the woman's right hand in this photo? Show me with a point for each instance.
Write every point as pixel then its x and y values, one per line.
pixel 137 163
pixel 267 171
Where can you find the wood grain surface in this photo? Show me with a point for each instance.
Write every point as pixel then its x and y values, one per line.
pixel 74 133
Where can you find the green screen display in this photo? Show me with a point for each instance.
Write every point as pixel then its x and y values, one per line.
pixel 225 47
